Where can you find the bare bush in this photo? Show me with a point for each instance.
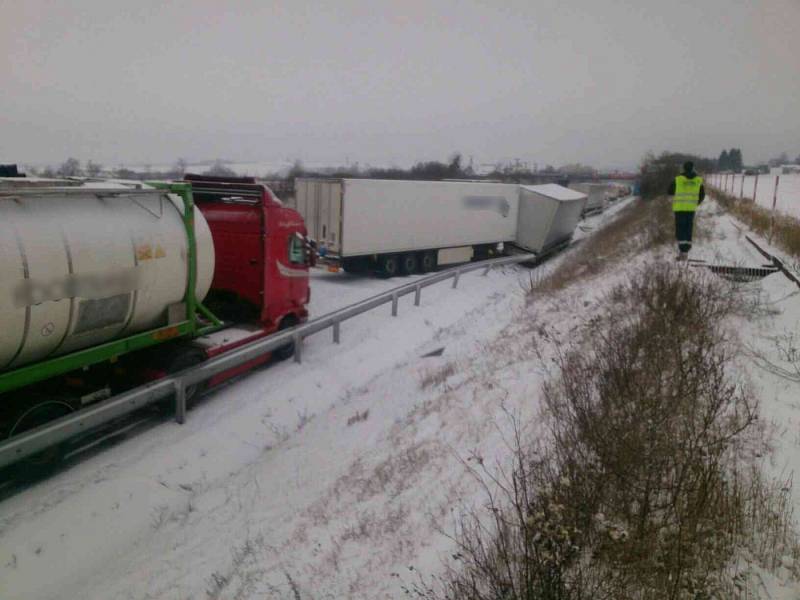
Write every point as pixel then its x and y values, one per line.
pixel 436 377
pixel 358 417
pixel 647 415
pixel 787 362
pixel 647 485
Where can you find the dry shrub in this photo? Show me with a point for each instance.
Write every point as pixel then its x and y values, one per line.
pixel 759 219
pixel 786 360
pixel 437 377
pixel 648 421
pixel 647 486
pixel 358 417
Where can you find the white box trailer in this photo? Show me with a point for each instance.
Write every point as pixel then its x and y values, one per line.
pixel 548 215
pixel 597 200
pixel 407 226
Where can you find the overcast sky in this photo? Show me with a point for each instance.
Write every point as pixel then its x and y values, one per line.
pixel 547 81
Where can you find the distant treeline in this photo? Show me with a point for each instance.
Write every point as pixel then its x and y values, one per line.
pixel 72 167
pixel 730 160
pixel 453 168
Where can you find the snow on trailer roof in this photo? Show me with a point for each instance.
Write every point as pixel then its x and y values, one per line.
pixel 555 191
pixel 72 182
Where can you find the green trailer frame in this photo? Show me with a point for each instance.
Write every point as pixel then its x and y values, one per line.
pixel 191 326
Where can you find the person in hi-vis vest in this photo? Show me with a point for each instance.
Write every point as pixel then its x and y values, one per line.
pixel 688 192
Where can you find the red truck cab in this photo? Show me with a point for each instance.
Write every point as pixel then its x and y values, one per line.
pixel 261 249
pixel 261 279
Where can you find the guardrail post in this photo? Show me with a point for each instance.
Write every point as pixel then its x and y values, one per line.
pixel 774 203
pixel 455 278
pixel 298 349
pixel 755 188
pixel 180 402
pixel 336 332
pixel 417 294
pixel 394 305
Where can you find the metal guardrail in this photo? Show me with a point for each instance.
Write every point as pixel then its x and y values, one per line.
pixel 777 263
pixel 60 430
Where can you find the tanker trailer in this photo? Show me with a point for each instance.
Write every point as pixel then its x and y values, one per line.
pixel 82 267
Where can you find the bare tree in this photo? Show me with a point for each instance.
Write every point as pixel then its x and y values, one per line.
pixel 93 169
pixel 180 167
pixel 70 168
pixel 218 169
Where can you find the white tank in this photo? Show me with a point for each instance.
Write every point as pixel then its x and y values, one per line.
pixel 83 267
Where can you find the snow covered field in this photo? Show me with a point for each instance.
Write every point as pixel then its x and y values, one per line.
pixel 788 199
pixel 334 478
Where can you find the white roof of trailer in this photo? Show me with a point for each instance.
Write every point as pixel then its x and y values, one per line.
pixel 555 191
pixel 34 182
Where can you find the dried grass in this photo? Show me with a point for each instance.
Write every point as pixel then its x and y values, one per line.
pixel 784 230
pixel 437 377
pixel 642 225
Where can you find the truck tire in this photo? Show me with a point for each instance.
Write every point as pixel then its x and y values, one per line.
pixel 388 265
pixel 183 358
pixel 41 463
pixel 287 351
pixel 427 262
pixel 409 264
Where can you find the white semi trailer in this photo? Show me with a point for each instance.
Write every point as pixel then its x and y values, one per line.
pixel 596 196
pixel 395 227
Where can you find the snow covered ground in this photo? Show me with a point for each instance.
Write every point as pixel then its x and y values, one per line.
pixel 334 478
pixel 788 197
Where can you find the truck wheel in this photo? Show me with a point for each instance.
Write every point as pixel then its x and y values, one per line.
pixel 40 463
pixel 287 351
pixel 349 265
pixel 183 359
pixel 428 262
pixel 409 264
pixel 388 265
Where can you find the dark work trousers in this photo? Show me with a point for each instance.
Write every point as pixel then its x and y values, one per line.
pixel 684 224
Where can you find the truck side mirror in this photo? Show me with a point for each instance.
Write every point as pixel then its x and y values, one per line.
pixel 311 251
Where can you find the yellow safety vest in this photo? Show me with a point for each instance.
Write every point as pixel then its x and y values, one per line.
pixel 687 193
